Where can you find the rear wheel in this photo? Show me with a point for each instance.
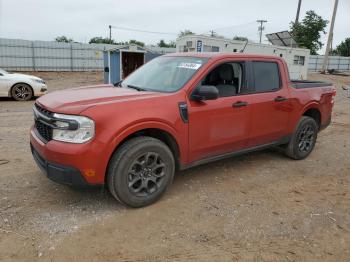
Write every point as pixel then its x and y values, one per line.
pixel 303 140
pixel 140 171
pixel 21 92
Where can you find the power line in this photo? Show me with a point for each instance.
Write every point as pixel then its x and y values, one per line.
pixel 227 27
pixel 233 26
pixel 168 33
pixel 142 31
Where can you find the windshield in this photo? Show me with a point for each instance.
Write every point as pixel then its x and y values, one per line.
pixel 164 74
pixel 3 72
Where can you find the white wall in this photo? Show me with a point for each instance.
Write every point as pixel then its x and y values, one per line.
pixel 226 45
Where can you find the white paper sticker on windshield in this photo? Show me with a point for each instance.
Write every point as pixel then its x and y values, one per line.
pixel 193 66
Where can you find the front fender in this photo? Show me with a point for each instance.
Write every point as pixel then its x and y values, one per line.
pixel 137 126
pixel 122 134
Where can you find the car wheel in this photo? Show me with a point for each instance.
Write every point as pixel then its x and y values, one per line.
pixel 21 92
pixel 140 171
pixel 303 140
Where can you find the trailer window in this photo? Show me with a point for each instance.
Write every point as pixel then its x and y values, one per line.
pixel 266 76
pixel 299 60
pixel 215 49
pixel 209 48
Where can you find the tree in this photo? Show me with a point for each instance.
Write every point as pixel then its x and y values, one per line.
pixel 307 33
pixel 185 32
pixel 162 43
pixel 172 44
pixel 343 49
pixel 101 40
pixel 63 39
pixel 240 38
pixel 135 42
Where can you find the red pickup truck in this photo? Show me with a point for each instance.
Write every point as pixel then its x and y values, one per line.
pixel 175 112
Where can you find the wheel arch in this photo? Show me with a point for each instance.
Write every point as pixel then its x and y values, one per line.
pixel 10 90
pixel 164 134
pixel 314 113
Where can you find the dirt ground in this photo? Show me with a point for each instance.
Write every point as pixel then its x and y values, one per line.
pixel 258 207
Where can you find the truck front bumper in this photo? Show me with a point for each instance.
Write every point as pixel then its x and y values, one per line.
pixel 59 173
pixel 78 165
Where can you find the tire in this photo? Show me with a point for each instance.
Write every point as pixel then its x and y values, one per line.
pixel 303 140
pixel 21 92
pixel 140 171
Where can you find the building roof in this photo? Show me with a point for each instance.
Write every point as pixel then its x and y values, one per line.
pixel 218 55
pixel 150 49
pixel 227 40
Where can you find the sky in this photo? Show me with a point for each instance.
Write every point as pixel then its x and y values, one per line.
pixel 83 19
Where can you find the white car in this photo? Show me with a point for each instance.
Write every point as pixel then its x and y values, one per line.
pixel 21 87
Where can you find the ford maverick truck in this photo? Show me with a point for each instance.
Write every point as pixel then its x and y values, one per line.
pixel 175 112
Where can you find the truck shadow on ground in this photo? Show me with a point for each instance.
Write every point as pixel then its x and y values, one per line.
pixel 101 197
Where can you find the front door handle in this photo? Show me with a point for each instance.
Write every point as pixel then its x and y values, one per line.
pixel 239 104
pixel 280 99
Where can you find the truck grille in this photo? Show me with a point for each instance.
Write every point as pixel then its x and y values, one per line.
pixel 43 110
pixel 43 129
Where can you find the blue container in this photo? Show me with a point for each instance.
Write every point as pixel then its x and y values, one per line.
pixel 121 61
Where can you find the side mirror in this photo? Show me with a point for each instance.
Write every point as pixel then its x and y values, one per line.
pixel 205 93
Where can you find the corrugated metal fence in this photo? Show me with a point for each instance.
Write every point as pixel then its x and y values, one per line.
pixel 24 55
pixel 340 63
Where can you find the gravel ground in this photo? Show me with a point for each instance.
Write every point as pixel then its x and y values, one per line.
pixel 257 207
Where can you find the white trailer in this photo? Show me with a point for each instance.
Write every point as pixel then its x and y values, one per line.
pixel 297 59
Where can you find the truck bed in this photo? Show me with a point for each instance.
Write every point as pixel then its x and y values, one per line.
pixel 308 84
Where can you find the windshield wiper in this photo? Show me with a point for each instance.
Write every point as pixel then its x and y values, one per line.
pixel 118 84
pixel 136 88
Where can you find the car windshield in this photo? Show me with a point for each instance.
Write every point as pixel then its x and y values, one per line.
pixel 164 74
pixel 3 72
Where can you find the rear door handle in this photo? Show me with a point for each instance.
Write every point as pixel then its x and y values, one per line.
pixel 239 104
pixel 280 99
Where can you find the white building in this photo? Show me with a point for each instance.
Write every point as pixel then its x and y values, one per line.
pixel 297 59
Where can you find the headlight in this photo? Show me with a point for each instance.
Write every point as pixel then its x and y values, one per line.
pixel 40 81
pixel 73 129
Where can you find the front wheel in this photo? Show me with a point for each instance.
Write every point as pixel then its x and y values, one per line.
pixel 140 171
pixel 21 92
pixel 303 140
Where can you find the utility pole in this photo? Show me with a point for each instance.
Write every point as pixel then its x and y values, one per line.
pixel 261 27
pixel 330 39
pixel 212 33
pixel 110 34
pixel 298 12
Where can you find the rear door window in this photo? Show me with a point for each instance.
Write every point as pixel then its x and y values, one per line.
pixel 266 76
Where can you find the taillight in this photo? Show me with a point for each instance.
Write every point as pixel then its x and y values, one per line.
pixel 333 96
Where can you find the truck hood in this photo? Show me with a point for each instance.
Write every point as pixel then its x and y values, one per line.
pixel 74 101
